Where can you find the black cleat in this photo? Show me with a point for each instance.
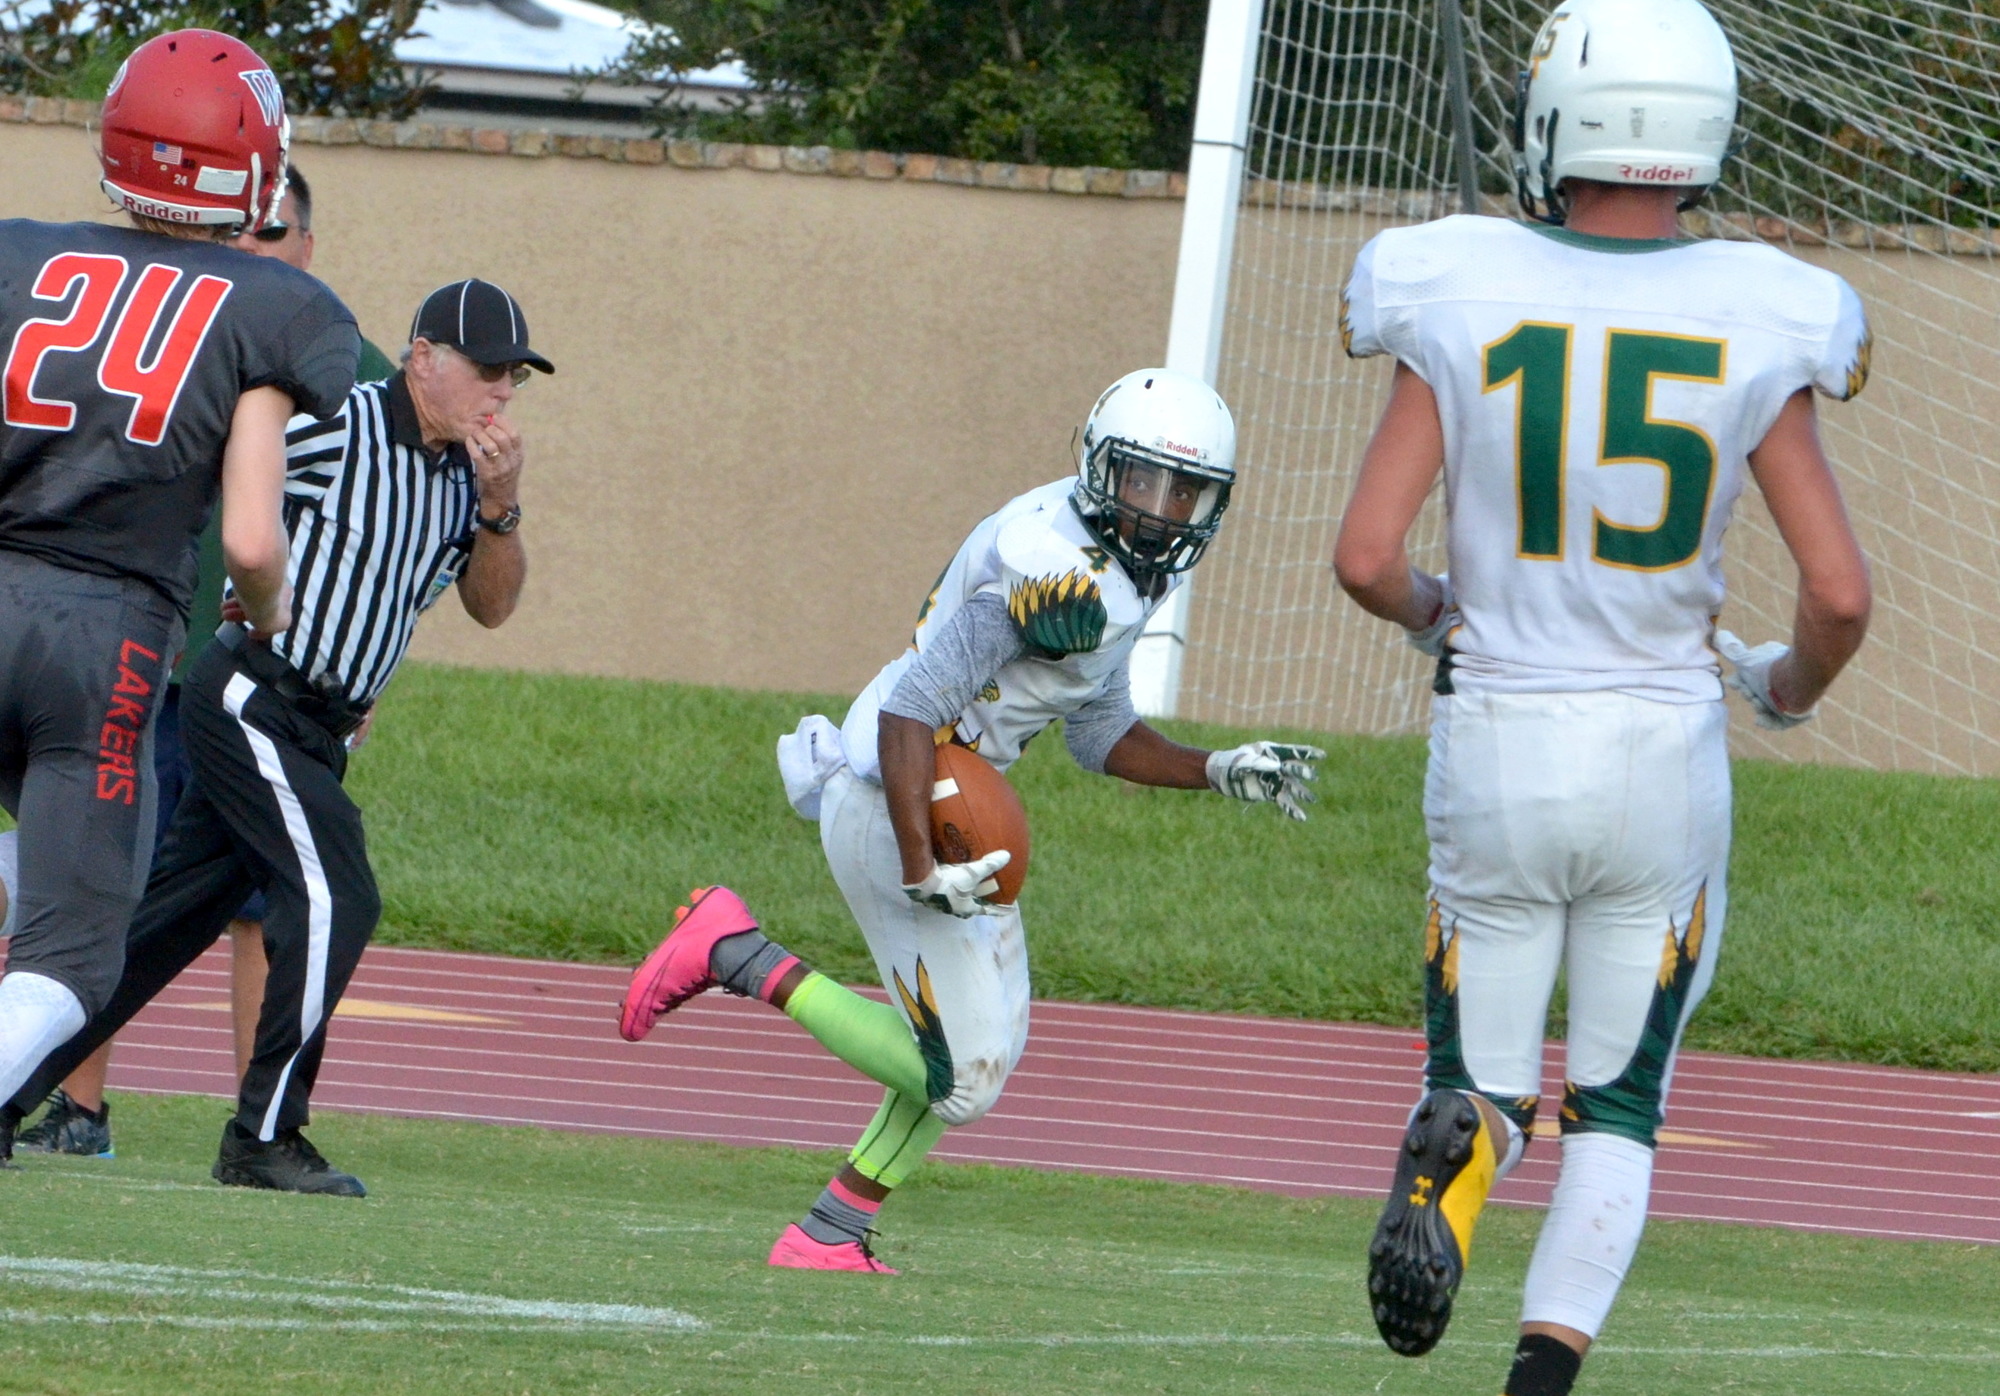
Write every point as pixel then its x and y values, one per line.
pixel 68 1128
pixel 1415 1262
pixel 288 1163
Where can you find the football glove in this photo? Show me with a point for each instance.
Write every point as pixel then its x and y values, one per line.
pixel 960 889
pixel 1430 640
pixel 1264 771
pixel 1752 679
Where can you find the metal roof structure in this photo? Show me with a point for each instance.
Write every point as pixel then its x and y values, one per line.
pixel 520 62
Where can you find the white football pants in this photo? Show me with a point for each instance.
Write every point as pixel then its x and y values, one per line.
pixel 976 970
pixel 1587 832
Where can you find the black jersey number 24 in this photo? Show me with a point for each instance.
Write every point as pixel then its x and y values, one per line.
pixel 123 368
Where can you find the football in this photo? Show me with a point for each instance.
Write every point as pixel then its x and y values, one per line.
pixel 974 811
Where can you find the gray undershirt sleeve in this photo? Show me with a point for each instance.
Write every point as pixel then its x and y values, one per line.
pixel 1099 725
pixel 973 646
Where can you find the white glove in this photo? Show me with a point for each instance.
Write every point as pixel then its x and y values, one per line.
pixel 1267 771
pixel 960 889
pixel 1430 640
pixel 1752 679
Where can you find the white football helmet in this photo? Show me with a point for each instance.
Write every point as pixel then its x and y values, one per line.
pixel 1157 462
pixel 1624 92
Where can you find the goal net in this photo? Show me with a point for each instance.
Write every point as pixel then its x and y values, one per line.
pixel 1870 150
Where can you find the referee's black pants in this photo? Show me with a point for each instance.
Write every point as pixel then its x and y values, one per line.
pixel 265 808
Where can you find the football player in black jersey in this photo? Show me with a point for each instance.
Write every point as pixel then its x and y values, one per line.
pixel 149 371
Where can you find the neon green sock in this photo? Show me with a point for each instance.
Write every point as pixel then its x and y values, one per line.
pixel 871 1037
pixel 902 1132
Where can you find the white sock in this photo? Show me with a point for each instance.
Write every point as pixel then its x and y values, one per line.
pixel 37 1015
pixel 10 877
pixel 1591 1232
pixel 1517 1144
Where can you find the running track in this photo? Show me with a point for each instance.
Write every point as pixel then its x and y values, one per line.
pixel 1286 1106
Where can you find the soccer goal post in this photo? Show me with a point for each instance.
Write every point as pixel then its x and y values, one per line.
pixel 1868 148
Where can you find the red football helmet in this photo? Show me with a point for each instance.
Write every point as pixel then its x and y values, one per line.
pixel 195 131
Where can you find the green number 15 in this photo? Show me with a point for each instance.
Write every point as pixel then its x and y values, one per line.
pixel 1534 360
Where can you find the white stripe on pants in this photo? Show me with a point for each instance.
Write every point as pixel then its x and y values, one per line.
pixel 319 897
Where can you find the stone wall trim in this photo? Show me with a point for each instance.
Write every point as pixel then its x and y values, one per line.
pixel 682 154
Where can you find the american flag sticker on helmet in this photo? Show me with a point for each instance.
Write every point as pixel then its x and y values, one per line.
pixel 166 154
pixel 263 84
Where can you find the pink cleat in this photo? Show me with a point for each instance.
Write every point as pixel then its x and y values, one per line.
pixel 797 1251
pixel 678 970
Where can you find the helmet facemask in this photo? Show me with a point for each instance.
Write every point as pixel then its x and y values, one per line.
pixel 1154 512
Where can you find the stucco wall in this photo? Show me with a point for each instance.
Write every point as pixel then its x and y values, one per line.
pixel 783 399
pixel 780 400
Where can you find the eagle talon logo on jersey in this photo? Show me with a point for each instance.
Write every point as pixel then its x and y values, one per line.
pixel 928 1026
pixel 1059 615
pixel 1857 376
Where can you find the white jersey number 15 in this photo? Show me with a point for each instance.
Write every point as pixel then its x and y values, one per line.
pixel 1534 359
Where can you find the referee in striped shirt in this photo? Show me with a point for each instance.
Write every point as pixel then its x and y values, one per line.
pixel 408 491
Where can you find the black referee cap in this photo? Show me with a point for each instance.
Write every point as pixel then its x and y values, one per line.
pixel 479 320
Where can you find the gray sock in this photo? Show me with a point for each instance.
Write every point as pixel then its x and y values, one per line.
pixel 742 962
pixel 834 1220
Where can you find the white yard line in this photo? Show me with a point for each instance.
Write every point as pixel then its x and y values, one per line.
pixel 234 1286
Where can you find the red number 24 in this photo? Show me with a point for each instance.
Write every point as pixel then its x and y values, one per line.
pixel 154 387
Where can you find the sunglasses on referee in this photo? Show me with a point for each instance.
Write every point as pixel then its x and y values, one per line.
pixel 515 373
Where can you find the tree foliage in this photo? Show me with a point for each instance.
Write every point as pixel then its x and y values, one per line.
pixel 334 57
pixel 1063 82
pixel 1871 111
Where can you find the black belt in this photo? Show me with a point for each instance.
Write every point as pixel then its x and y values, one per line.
pixel 319 701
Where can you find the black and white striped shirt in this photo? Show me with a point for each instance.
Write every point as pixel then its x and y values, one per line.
pixel 380 529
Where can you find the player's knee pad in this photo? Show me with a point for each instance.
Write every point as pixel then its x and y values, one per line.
pixel 975 1089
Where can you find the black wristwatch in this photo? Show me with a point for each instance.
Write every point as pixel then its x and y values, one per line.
pixel 505 524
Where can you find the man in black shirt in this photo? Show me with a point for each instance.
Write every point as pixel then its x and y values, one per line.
pixel 148 371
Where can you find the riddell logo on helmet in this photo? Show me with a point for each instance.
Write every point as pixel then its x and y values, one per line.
pixel 1191 452
pixel 153 208
pixel 1658 174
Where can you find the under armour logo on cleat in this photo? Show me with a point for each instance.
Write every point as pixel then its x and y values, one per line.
pixel 1422 1196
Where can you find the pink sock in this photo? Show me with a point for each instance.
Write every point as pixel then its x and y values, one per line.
pixel 770 984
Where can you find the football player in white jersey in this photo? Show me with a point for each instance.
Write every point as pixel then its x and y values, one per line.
pixel 1032 622
pixel 1594 389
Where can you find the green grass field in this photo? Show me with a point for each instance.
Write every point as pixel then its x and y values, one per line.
pixel 564 817
pixel 501 1261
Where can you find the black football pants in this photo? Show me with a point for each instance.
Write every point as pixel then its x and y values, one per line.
pixel 265 807
pixel 83 661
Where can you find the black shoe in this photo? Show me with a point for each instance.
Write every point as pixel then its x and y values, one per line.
pixel 68 1128
pixel 8 1119
pixel 1443 1173
pixel 288 1163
